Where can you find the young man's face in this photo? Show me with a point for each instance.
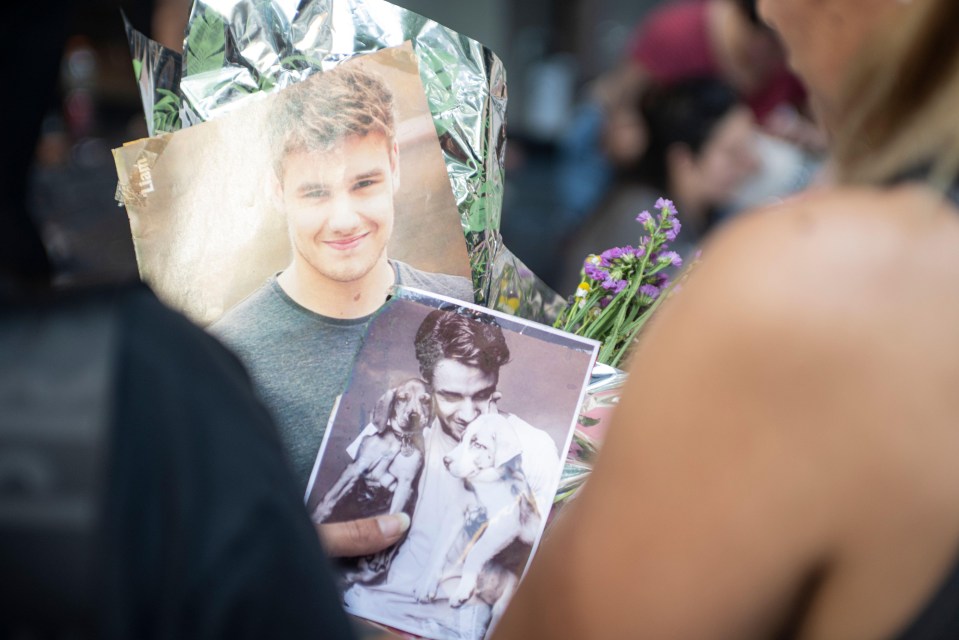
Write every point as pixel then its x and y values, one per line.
pixel 339 206
pixel 461 393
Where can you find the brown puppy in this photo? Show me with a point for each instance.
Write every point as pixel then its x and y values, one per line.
pixel 388 459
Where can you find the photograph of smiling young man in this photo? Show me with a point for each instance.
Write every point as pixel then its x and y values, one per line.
pixel 497 419
pixel 336 173
pixel 208 220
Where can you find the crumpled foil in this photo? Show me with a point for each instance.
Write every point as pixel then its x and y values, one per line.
pixel 157 71
pixel 236 48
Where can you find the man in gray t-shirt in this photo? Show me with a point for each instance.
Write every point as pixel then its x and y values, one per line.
pixel 336 173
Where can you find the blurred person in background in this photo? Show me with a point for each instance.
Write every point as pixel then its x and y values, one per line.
pixel 809 487
pixel 681 40
pixel 700 150
pixel 725 38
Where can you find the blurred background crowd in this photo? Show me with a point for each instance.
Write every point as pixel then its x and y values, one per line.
pixel 612 104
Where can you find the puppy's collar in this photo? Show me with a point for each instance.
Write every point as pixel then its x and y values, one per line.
pixel 406 442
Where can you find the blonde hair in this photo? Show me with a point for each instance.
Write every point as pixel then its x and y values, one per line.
pixel 319 113
pixel 899 109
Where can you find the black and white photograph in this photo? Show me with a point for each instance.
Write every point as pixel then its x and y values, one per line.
pixel 451 417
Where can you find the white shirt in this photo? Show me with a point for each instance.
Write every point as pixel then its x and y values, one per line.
pixel 439 507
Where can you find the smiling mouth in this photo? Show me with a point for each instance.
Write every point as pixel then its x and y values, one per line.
pixel 345 244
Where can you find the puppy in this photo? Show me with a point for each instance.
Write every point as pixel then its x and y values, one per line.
pixel 389 457
pixel 501 525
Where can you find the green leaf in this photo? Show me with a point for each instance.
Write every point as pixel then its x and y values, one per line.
pixel 137 69
pixel 301 61
pixel 264 83
pixel 168 95
pixel 166 111
pixel 586 421
pixel 206 43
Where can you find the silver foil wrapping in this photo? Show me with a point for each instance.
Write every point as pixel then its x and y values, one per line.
pixel 157 71
pixel 236 48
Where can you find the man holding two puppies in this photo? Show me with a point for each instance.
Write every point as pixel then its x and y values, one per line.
pixel 460 357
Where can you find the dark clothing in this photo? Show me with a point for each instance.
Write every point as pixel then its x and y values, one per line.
pixel 195 527
pixel 203 533
pixel 939 618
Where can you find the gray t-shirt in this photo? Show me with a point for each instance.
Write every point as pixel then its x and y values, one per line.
pixel 300 361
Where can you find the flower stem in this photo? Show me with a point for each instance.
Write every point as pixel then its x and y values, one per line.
pixel 635 326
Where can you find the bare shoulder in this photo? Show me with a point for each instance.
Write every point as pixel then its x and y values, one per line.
pixel 830 259
pixel 851 290
pixel 852 215
pixel 828 326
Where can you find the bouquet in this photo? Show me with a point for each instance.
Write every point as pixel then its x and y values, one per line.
pixel 618 292
pixel 621 287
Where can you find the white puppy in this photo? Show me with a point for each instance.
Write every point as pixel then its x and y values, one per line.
pixel 499 528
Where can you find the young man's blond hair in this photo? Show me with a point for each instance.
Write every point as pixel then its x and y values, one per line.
pixel 319 113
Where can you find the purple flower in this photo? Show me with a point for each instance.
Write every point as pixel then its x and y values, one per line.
pixel 663 203
pixel 624 254
pixel 674 228
pixel 610 255
pixel 671 257
pixel 617 254
pixel 604 301
pixel 649 291
pixel 646 219
pixel 614 285
pixel 594 272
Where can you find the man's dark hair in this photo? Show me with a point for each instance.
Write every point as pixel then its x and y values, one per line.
pixel 685 112
pixel 469 339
